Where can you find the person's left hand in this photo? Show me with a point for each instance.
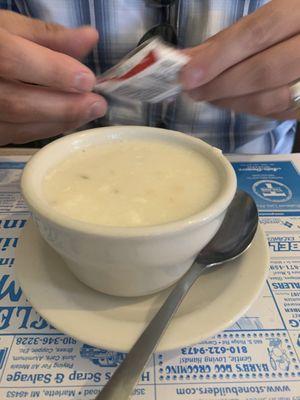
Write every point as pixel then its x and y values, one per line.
pixel 250 66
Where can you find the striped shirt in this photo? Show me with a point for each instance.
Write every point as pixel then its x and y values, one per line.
pixel 121 24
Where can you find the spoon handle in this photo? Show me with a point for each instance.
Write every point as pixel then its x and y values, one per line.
pixel 125 377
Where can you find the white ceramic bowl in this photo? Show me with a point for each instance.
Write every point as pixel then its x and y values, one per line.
pixel 125 261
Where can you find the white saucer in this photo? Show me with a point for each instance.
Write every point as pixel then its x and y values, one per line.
pixel 215 302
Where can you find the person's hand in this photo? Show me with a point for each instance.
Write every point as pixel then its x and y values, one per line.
pixel 249 66
pixel 44 90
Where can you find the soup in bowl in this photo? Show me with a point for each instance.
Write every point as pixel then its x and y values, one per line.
pixel 128 208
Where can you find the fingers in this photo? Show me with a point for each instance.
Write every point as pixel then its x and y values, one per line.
pixel 26 61
pixel 74 42
pixel 42 85
pixel 271 68
pixel 26 103
pixel 286 115
pixel 264 104
pixel 252 34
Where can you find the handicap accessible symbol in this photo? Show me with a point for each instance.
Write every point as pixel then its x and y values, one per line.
pixel 273 191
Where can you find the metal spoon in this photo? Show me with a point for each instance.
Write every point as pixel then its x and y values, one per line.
pixel 232 239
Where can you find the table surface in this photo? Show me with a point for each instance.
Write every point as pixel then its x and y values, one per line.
pixel 259 354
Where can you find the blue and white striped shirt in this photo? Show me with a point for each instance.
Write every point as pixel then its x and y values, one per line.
pixel 121 24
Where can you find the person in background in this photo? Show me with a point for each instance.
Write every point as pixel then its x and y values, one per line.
pixel 237 86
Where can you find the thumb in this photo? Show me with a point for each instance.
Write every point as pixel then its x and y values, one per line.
pixel 76 42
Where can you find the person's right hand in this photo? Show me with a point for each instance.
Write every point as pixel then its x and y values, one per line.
pixel 44 89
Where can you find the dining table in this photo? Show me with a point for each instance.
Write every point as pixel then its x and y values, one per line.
pixel 257 356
